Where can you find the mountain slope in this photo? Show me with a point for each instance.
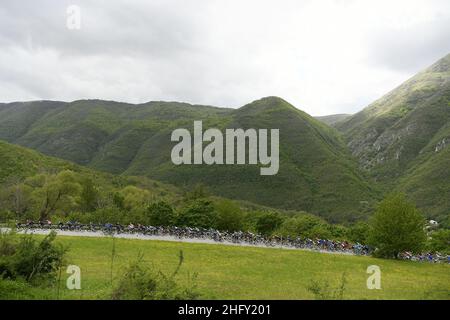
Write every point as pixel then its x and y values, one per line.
pixel 392 132
pixel 77 131
pixel 333 119
pixel 18 163
pixel 316 173
pixel 427 182
pixel 402 139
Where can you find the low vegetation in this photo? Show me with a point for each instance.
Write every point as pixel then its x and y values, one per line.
pixel 70 195
pixel 31 267
pixel 28 265
pixel 141 282
pixel 229 272
pixel 24 257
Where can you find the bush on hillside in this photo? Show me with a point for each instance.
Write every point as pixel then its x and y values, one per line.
pixel 160 213
pixel 358 232
pixel 229 216
pixel 268 222
pixel 440 241
pixel 19 289
pixel 199 213
pixel 305 226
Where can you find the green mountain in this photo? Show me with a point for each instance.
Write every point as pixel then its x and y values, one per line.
pixel 77 131
pixel 333 119
pixel 402 139
pixel 19 162
pixel 317 173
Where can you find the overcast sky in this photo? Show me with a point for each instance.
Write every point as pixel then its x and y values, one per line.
pixel 324 57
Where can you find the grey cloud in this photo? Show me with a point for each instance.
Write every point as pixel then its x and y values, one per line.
pixel 218 52
pixel 410 50
pixel 108 27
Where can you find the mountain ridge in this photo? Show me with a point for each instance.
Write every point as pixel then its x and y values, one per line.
pixel 318 173
pixel 401 138
pixel 398 143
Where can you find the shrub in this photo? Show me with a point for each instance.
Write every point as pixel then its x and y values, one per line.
pixel 306 226
pixel 359 232
pixel 82 217
pixel 337 232
pixel 323 290
pixel 6 215
pixel 199 213
pixel 139 282
pixel 440 241
pixel 111 215
pixel 27 258
pixel 160 214
pixel 229 216
pixel 21 290
pixel 268 222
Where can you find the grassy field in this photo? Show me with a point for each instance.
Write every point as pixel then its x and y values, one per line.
pixel 227 272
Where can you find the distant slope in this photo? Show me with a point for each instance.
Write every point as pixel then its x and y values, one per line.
pixel 402 139
pixel 17 162
pixel 77 131
pixel 17 118
pixel 333 119
pixel 316 174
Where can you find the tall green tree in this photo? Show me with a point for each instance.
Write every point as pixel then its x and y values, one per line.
pixel 15 196
pixel 118 200
pixel 54 192
pixel 89 195
pixel 134 197
pixel 397 226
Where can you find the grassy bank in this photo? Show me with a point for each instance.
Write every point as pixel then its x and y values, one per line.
pixel 227 272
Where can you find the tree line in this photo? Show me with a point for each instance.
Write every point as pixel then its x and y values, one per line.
pixel 396 225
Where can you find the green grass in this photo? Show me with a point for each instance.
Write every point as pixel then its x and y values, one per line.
pixel 227 272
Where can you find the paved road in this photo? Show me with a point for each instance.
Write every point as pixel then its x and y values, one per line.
pixel 100 234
